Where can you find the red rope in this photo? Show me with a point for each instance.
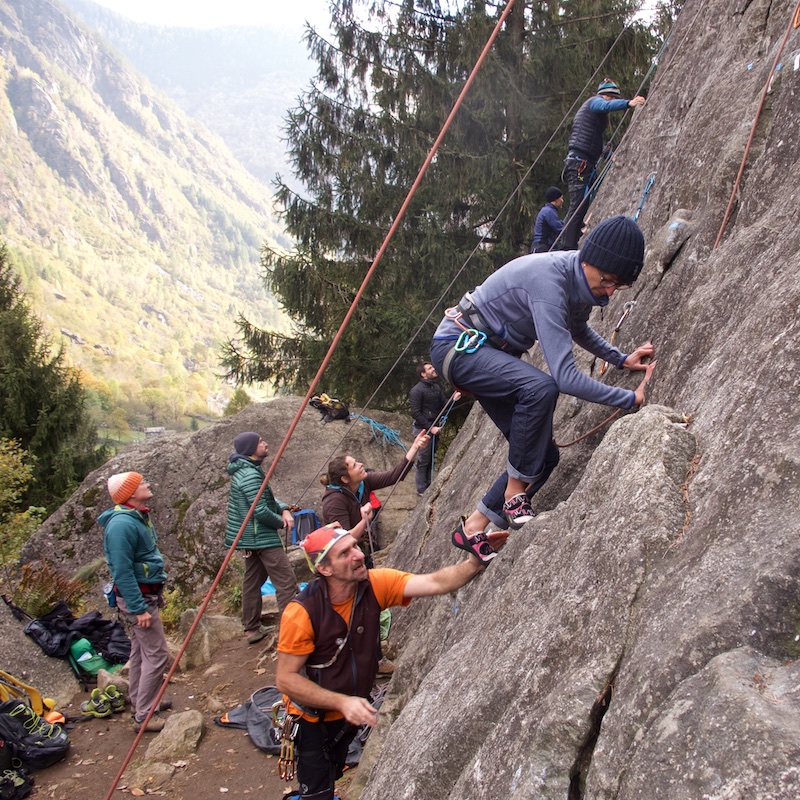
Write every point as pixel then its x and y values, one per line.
pixel 793 23
pixel 345 322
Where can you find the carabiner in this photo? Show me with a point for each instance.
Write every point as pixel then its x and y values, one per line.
pixel 469 341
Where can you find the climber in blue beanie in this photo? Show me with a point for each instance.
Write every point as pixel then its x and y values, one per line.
pixel 478 347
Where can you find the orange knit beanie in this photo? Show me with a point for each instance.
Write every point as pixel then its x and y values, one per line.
pixel 123 485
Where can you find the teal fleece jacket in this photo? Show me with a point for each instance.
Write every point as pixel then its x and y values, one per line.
pixel 131 547
pixel 262 528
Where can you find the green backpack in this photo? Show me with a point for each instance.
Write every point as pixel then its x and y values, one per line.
pixel 86 662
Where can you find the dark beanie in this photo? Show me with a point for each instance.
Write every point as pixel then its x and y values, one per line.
pixel 553 193
pixel 616 246
pixel 245 443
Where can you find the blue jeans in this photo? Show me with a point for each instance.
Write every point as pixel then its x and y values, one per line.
pixel 520 399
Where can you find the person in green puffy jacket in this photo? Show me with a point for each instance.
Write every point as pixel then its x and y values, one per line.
pixel 264 554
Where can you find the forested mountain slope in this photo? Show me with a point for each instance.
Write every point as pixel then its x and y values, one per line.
pixel 237 81
pixel 135 231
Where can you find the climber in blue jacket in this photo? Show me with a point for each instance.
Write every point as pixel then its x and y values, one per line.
pixel 586 145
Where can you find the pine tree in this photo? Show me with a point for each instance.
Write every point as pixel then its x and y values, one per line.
pixel 42 402
pixel 357 140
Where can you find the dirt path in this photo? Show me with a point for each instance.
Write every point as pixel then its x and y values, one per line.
pixel 226 764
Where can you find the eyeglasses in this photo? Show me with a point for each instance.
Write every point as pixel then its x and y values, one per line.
pixel 607 282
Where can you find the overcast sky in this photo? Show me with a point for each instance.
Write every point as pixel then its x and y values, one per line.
pixel 289 14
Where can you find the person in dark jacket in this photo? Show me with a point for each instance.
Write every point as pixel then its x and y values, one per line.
pixel 264 554
pixel 586 145
pixel 137 571
pixel 427 401
pixel 328 647
pixel 348 485
pixel 546 298
pixel 548 224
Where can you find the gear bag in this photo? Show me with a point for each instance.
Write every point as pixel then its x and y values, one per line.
pixel 255 716
pixel 305 521
pixel 38 744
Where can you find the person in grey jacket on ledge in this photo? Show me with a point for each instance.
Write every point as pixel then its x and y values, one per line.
pixel 478 347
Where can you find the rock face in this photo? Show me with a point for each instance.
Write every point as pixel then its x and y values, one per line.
pixel 639 638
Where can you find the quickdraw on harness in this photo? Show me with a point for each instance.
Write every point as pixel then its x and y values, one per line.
pixel 474 334
pixel 647 187
pixel 289 727
pixel 626 309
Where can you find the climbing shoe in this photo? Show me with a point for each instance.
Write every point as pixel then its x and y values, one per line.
pixel 518 510
pixel 477 543
pixel 97 705
pixel 114 698
pixel 15 784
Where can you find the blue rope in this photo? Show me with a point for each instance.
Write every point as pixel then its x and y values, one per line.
pixel 389 436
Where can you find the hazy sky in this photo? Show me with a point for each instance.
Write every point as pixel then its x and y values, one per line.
pixel 289 14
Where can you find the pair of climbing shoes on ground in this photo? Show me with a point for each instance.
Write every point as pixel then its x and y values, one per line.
pixel 103 702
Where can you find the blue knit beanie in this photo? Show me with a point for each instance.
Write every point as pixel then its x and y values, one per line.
pixel 616 246
pixel 245 443
pixel 608 87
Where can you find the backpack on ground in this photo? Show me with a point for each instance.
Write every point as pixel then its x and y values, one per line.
pixel 305 521
pixel 37 743
pixel 86 662
pixel 255 716
pixel 12 688
pixel 330 407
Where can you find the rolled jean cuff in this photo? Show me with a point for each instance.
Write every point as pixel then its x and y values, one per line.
pixel 515 473
pixel 496 519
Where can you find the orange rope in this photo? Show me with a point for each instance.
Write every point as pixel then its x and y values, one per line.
pixel 345 322
pixel 589 433
pixel 794 23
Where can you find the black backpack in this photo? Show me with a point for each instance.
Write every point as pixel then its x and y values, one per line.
pixel 305 521
pixel 36 742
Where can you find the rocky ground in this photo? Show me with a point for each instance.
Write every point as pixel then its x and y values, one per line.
pixel 225 764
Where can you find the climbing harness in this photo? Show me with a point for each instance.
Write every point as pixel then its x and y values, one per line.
pixel 647 187
pixel 475 332
pixel 626 309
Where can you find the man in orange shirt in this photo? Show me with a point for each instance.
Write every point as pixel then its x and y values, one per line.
pixel 328 677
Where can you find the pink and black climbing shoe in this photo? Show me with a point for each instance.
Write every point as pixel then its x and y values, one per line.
pixel 518 510
pixel 477 544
